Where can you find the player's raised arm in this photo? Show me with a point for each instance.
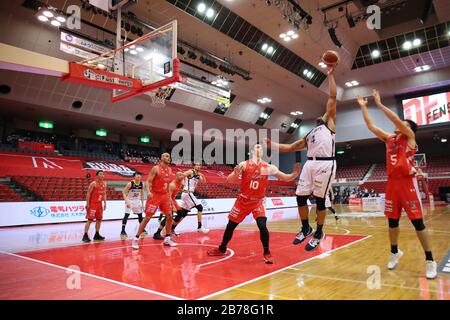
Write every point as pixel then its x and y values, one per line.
pixel 171 189
pixel 236 172
pixel 331 103
pixel 381 134
pixel 151 176
pixel 395 119
pixel 282 147
pixel 284 176
pixel 104 196
pixel 202 177
pixel 188 173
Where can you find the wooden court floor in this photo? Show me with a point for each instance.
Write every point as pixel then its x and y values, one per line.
pixel 352 272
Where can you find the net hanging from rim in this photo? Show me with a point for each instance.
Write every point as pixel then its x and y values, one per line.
pixel 159 96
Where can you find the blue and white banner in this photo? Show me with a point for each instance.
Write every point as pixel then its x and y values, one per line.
pixel 31 213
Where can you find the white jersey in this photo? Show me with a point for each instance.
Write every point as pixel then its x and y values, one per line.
pixel 320 142
pixel 190 183
pixel 134 194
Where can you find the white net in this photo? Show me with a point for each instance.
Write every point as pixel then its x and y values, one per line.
pixel 160 96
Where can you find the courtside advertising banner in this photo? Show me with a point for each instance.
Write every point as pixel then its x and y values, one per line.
pixel 428 109
pixel 30 213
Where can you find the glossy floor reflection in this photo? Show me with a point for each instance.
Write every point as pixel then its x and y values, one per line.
pixel 186 271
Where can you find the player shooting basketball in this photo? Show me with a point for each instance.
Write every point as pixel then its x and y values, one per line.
pixel 402 191
pixel 320 169
pixel 255 177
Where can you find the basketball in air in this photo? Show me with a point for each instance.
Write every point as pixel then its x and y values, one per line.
pixel 330 58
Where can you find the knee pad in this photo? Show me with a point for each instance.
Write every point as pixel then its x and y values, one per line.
pixel 320 203
pixel 393 223
pixel 418 224
pixel 261 222
pixel 302 201
pixel 199 207
pixel 182 213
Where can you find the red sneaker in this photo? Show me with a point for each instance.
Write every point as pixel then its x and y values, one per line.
pixel 216 252
pixel 268 258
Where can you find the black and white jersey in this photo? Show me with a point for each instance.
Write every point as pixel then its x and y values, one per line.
pixel 320 142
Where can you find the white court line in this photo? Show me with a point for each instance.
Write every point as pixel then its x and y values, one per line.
pixel 277 271
pixel 94 276
pixel 359 281
pixel 185 244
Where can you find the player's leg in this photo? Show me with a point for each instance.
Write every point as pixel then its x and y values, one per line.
pixel 181 214
pixel 413 206
pixel 392 211
pixel 264 237
pixel 150 209
pixel 200 227
pixel 303 191
pixel 166 209
pixel 86 231
pixel 98 223
pixel 123 234
pixel 239 211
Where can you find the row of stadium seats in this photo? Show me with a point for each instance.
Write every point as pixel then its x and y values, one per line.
pixel 433 185
pixel 352 173
pixel 55 188
pixel 7 194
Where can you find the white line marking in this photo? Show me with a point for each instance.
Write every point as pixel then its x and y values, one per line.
pixel 94 276
pixel 277 271
pixel 185 244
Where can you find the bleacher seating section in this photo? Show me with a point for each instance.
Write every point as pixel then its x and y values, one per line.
pixel 59 189
pixel 352 173
pixel 6 194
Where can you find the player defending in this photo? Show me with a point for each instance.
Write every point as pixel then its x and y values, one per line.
pixel 318 171
pixel 175 187
pixel 133 194
pixel 158 197
pixel 401 189
pixel 192 178
pixel 95 204
pixel 255 177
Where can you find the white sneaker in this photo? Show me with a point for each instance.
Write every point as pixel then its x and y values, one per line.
pixel 168 242
pixel 134 243
pixel 203 230
pixel 431 269
pixel 394 258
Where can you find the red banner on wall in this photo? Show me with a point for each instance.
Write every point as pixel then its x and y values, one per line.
pixel 355 202
pixel 37 146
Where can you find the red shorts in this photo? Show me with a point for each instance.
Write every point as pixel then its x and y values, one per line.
pixel 95 211
pixel 243 207
pixel 159 200
pixel 403 193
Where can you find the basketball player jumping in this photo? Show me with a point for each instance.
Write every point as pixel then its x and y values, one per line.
pixel 95 204
pixel 319 170
pixel 158 197
pixel 175 187
pixel 255 177
pixel 133 194
pixel 401 189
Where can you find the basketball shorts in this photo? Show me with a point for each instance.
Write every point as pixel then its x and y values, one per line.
pixel 134 207
pixel 403 193
pixel 316 178
pixel 243 207
pixel 158 200
pixel 328 201
pixel 189 201
pixel 95 211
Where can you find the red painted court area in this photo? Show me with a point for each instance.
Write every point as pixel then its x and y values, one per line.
pixel 113 270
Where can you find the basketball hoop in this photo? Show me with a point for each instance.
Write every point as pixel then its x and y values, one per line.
pixel 159 96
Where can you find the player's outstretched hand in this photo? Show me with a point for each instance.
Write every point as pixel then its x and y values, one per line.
pixel 362 101
pixel 267 142
pixel 376 96
pixel 331 71
pixel 236 169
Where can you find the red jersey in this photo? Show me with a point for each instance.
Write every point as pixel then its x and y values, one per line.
pixel 179 185
pixel 399 157
pixel 254 180
pixel 98 193
pixel 160 183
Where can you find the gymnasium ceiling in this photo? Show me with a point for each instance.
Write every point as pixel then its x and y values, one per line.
pixel 288 91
